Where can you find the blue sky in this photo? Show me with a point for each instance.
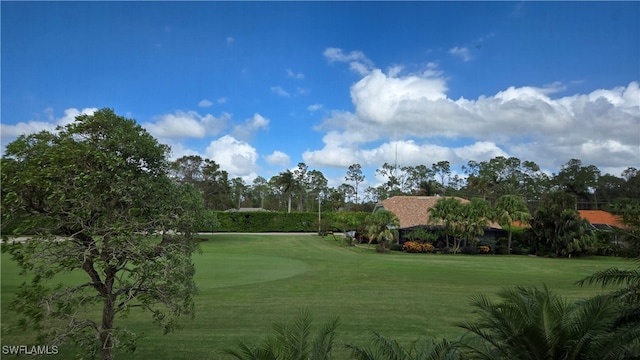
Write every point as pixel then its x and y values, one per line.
pixel 261 86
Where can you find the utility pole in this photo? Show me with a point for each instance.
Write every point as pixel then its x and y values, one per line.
pixel 319 212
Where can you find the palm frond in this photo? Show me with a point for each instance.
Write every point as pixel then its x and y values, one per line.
pixel 323 344
pixel 612 276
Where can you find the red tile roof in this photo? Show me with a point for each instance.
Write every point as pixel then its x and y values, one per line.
pixel 414 210
pixel 596 217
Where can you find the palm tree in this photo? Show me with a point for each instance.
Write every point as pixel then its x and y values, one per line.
pixel 382 227
pixel 287 182
pixel 627 295
pixel 448 212
pixel 509 209
pixel 292 341
pixel 476 215
pixel 537 324
pixel 422 349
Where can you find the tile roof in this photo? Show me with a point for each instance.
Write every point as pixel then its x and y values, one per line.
pixel 600 217
pixel 414 210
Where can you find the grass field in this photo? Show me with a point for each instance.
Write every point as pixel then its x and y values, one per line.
pixel 247 282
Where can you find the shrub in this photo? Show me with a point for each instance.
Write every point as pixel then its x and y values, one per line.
pixel 395 247
pixel 416 247
pixel 470 250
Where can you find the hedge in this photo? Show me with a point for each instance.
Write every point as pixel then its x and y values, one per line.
pixel 266 221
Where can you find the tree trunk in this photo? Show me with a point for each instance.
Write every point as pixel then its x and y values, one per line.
pixel 106 338
pixel 108 315
pixel 289 204
pixel 509 242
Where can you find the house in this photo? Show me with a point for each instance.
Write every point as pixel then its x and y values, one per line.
pixel 601 220
pixel 413 213
pixel 604 222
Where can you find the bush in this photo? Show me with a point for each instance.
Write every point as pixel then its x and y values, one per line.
pixel 501 250
pixel 396 247
pixel 416 247
pixel 470 250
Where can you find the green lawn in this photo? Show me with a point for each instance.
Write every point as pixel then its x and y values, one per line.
pixel 247 282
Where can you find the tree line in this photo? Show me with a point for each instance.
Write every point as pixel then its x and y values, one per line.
pixel 306 190
pixel 99 197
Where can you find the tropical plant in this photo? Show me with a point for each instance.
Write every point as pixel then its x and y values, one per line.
pixel 559 230
pixel 509 209
pixel 627 295
pixel 292 341
pixel 384 348
pixel 286 182
pixel 531 323
pixel 448 212
pixel 475 218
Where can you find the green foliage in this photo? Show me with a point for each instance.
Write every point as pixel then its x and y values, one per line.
pixel 421 235
pixel 558 230
pixel 384 348
pixel 292 341
pixel 267 221
pixel 382 226
pixel 448 212
pixel 263 221
pixel 530 323
pixel 627 296
pixel 509 209
pixel 462 222
pixel 93 197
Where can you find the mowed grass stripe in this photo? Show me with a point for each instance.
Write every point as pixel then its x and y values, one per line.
pixel 247 282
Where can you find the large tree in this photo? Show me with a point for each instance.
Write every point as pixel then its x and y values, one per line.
pixel 580 181
pixel 559 230
pixel 94 197
pixel 206 176
pixel 355 174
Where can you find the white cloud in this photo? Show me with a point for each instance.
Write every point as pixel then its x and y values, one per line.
pixel 461 52
pixel 278 158
pixel 532 123
pixel 294 75
pixel 186 124
pixel 11 132
pixel 222 100
pixel 278 90
pixel 378 97
pixel 230 40
pixel 404 153
pixel 246 130
pixel 358 62
pixel 479 151
pixel 205 103
pixel 236 157
pixel 314 107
